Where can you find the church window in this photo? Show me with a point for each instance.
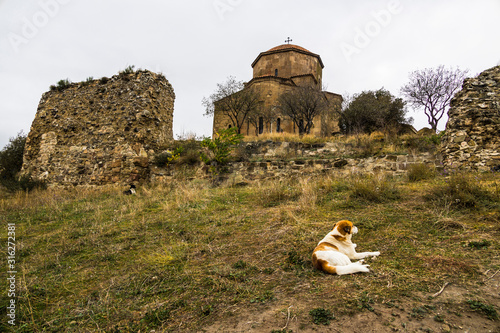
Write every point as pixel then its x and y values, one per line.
pixel 276 72
pixel 278 125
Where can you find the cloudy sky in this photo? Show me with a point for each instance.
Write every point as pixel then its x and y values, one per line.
pixel 364 44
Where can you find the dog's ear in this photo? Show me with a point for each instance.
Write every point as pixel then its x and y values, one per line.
pixel 344 227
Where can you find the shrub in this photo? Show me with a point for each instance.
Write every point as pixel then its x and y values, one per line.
pixel 219 148
pixel 61 85
pixel 167 157
pixel 461 191
pixel 373 188
pixel 420 171
pixel 11 161
pixel 275 193
pixel 190 151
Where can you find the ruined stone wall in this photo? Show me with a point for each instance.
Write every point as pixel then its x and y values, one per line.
pixel 280 160
pixel 472 139
pixel 100 132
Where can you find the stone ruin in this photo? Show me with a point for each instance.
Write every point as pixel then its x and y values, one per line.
pixel 100 131
pixel 472 137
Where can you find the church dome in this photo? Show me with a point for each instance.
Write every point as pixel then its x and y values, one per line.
pixel 288 46
pixel 284 48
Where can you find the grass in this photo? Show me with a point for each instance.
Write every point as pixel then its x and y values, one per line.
pixel 183 255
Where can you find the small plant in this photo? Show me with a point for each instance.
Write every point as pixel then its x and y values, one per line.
pixel 240 264
pixel 219 148
pixel 488 310
pixel 321 316
pixel 294 261
pixel 266 296
pixel 189 151
pixel 167 157
pixel 479 244
pixel 61 85
pixel 88 81
pixel 420 171
pixel 128 70
pixel 364 302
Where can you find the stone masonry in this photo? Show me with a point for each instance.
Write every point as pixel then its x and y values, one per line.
pixel 472 139
pixel 100 131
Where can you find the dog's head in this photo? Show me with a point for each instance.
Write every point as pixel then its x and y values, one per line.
pixel 344 230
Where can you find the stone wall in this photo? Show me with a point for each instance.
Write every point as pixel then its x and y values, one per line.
pixel 100 131
pixel 276 160
pixel 472 139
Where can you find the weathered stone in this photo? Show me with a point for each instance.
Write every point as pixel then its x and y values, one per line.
pixel 101 132
pixel 472 137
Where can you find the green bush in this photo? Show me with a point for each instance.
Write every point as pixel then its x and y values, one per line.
pixel 218 149
pixel 11 161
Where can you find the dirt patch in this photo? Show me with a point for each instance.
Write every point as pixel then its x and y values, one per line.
pixel 448 312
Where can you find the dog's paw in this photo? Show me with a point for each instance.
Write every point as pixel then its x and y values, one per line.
pixel 364 268
pixel 361 263
pixel 375 254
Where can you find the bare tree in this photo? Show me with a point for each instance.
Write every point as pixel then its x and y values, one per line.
pixel 433 89
pixel 233 100
pixel 261 113
pixel 302 104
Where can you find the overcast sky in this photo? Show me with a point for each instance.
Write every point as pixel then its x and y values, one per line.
pixel 364 45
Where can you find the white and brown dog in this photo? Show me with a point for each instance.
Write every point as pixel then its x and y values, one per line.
pixel 334 252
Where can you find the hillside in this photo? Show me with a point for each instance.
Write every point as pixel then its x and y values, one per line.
pixel 190 257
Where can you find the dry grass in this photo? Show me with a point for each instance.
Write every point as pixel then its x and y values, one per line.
pixel 288 137
pixel 181 256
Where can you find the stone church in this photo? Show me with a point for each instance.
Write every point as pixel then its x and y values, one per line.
pixel 282 69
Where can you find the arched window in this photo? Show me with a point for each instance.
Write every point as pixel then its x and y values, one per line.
pixel 276 72
pixel 278 125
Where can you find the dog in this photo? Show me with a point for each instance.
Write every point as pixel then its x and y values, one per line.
pixel 333 253
pixel 130 191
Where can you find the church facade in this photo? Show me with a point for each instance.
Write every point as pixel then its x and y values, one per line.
pixel 282 69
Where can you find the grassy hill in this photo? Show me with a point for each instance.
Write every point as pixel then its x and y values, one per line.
pixel 190 257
